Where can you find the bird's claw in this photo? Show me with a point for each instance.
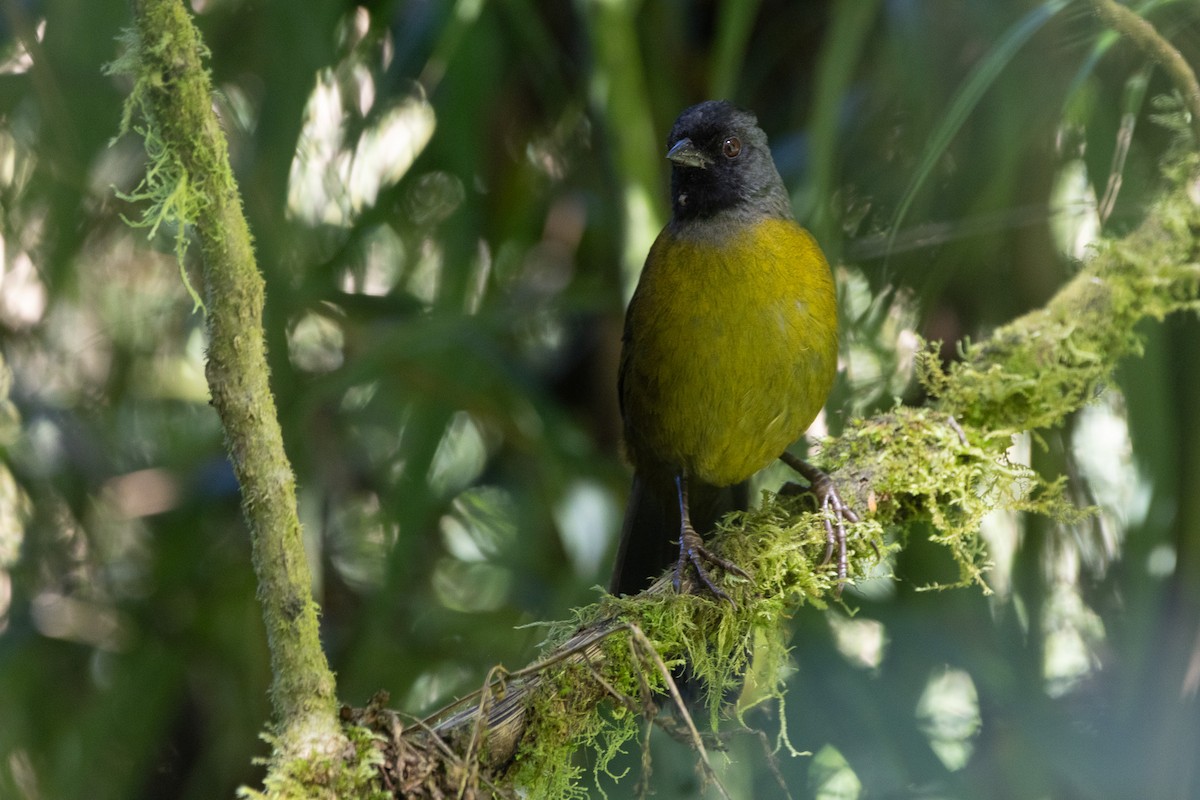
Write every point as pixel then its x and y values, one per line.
pixel 692 551
pixel 836 512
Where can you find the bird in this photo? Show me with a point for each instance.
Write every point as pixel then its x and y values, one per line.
pixel 728 353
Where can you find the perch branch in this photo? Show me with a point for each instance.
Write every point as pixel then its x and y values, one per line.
pixel 901 465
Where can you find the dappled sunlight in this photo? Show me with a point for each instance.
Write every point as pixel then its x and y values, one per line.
pixel 482 524
pixel 642 226
pixel 22 293
pixel 880 341
pixel 460 457
pixel 1074 635
pixel 6 593
pixel 359 536
pixel 1003 530
pixel 141 493
pixel 424 279
pixel 335 174
pixel 948 714
pixel 1074 215
pixel 316 343
pixel 168 375
pixel 1103 450
pixel 58 616
pixel 14 515
pixel 14 55
pixel 1161 560
pixel 861 641
pixel 379 266
pixel 447 679
pixel 481 527
pixel 587 516
pixel 471 588
pixel 831 777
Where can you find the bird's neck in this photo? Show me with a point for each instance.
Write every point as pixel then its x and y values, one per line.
pixel 689 206
pixel 720 225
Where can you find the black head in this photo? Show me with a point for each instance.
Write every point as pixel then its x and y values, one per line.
pixel 720 162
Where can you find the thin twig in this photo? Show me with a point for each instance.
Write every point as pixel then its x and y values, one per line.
pixel 451 756
pixel 485 694
pixel 677 698
pixel 533 669
pixel 772 763
pixel 1145 36
pixel 958 430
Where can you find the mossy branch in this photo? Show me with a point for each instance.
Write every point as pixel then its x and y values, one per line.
pixel 944 464
pixel 1145 36
pixel 189 183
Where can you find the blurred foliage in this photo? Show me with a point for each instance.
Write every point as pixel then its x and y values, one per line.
pixel 450 201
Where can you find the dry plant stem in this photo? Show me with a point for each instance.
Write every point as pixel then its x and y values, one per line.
pixel 177 96
pixel 1145 36
pixel 452 757
pixel 648 651
pixel 958 431
pixel 772 763
pixel 497 677
pixel 505 718
pixel 647 707
pixel 584 649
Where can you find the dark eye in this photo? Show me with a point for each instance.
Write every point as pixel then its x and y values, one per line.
pixel 731 147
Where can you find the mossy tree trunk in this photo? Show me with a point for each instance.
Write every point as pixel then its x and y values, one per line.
pixel 190 183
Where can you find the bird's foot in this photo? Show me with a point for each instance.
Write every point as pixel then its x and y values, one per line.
pixel 692 551
pixel 837 513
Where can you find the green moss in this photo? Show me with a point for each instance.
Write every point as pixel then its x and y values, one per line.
pixel 353 774
pixel 781 545
pixel 562 717
pixel 920 464
pixel 907 465
pixel 1037 369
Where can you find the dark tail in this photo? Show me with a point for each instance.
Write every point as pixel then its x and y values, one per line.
pixel 650 533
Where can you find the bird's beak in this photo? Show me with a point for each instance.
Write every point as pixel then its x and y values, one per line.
pixel 686 154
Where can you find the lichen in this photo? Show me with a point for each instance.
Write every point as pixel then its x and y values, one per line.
pixel 168 196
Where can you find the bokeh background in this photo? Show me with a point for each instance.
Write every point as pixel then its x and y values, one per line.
pixel 451 201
